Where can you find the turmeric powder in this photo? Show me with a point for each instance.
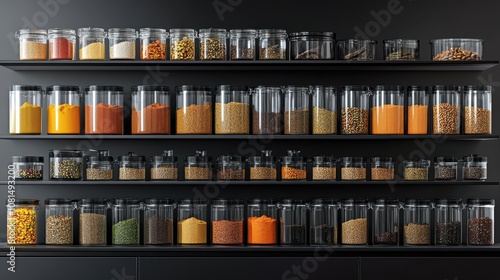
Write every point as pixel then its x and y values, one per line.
pixel 417 119
pixel 26 119
pixel 388 119
pixel 261 230
pixel 63 119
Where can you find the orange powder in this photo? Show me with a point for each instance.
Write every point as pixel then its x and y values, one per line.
pixel 417 119
pixel 388 119
pixel 26 119
pixel 63 119
pixel 153 119
pixel 103 119
pixel 261 230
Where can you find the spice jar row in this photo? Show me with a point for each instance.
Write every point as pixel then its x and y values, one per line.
pixel 300 222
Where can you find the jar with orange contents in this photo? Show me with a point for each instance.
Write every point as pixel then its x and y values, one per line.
pixel 21 221
pixel 388 110
pixel 293 166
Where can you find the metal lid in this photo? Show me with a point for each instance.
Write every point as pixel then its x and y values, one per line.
pixel 192 201
pixel 103 88
pixel 445 87
pixel 224 201
pixel 389 88
pixel 386 201
pixel 31 32
pixel 324 201
pixel 150 88
pixel 200 156
pixel 445 159
pixel 27 159
pixel 102 155
pixel 192 88
pixel 448 201
pixel 293 201
pixel 59 201
pixel 354 201
pixel 62 88
pixel 25 202
pixel 65 153
pixel 22 87
pixel 167 156
pixel 478 87
pixel 92 201
pixel 480 201
pixel 312 34
pixel 132 157
pixel 417 202
pixel 125 201
pixel 228 88
pixel 153 201
pixel 475 158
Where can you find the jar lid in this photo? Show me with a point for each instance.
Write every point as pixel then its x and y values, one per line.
pixel 59 201
pixel 25 202
pixel 192 201
pixel 243 32
pixel 116 32
pixel 155 31
pixel 448 201
pixel 293 156
pixel 63 88
pixel 445 87
pixel 31 32
pixel 417 88
pixel 224 201
pixel 102 155
pixel 294 88
pixel 149 88
pixel 293 201
pixel 262 201
pixel 382 160
pixel 65 153
pixel 125 201
pixel 352 41
pixel 312 34
pixel 209 31
pixel 103 88
pixel 92 201
pixel 192 88
pixel 354 201
pixel 386 201
pixel 228 88
pixel 200 156
pixel 325 87
pixel 456 39
pixel 355 88
pixel 167 156
pixel 475 158
pixel 182 30
pixel 417 201
pixel 266 89
pixel 323 159
pixel 480 201
pixel 417 162
pixel 91 30
pixel 389 88
pixel 324 201
pixel 152 201
pixel 405 43
pixel 265 157
pixel 478 87
pixel 27 159
pixel 62 31
pixel 132 157
pixel 230 158
pixel 353 159
pixel 271 32
pixel 28 88
pixel 445 159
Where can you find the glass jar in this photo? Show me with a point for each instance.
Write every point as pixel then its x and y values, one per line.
pixel 324 221
pixel 242 44
pixel 63 110
pixel 388 110
pixel 297 110
pixel 267 112
pixel 382 169
pixel 293 221
pixel 232 110
pixel 132 167
pixel 25 109
pixel 477 109
pixel 417 169
pixel 456 49
pixel 32 44
pixel 272 44
pixel 418 108
pixel 213 44
pixel 192 224
pixel 401 49
pixel 417 222
pixel 448 221
pixel 386 221
pixel 324 110
pixel 99 166
pixel 27 167
pixel 125 214
pixel 164 167
pixel 198 167
pixel 353 49
pixel 227 221
pixel 445 168
pixel 353 169
pixel 475 167
pixel 293 166
pixel 158 221
pixel 122 43
pixel 150 110
pixel 153 43
pixel 355 108
pixel 59 221
pixel 312 45
pixel 262 167
pixel 21 221
pixel 92 45
pixel 446 109
pixel 194 110
pixel 354 221
pixel 104 110
pixel 66 165
pixel 62 44
pixel 93 221
pixel 324 168
pixel 182 44
pixel 480 221
pixel 261 223
pixel 230 168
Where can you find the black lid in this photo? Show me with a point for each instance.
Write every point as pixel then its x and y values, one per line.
pixel 58 201
pixel 387 201
pixel 102 155
pixel 226 88
pixel 125 201
pixel 293 156
pixel 445 87
pixel 293 201
pixel 475 158
pixel 224 201
pixel 417 201
pixel 354 200
pixel 63 88
pixel 262 201
pixel 200 156
pixel 448 201
pixel 25 202
pixel 230 158
pixel 22 87
pixel 445 159
pixel 65 153
pixel 324 159
pixel 150 88
pixel 132 157
pixel 192 88
pixel 192 201
pixel 313 34
pixel 97 201
pixel 353 159
pixel 27 159
pixel 103 88
pixel 478 87
pixel 480 201
pixel 417 88
pixel 355 88
pixel 167 156
pixel 150 201
pixel 326 201
pixel 262 32
pixel 389 88
pixel 382 159
pixel 265 157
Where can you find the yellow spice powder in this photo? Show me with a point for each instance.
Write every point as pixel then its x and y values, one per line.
pixel 192 231
pixel 63 119
pixel 26 119
pixel 94 51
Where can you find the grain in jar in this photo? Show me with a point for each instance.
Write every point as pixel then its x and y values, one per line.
pixel 297 110
pixel 355 109
pixel 99 166
pixel 324 221
pixel 92 221
pixel 386 221
pixel 293 221
pixel 324 110
pixel 32 44
pixel 164 167
pixel 267 112
pixel 230 168
pixel 92 46
pixel 354 221
pixel 22 221
pixel 445 168
pixel 242 44
pixel 198 167
pixel 158 221
pixel 182 44
pixel 122 43
pixel 125 216
pixel 132 167
pixel 213 43
pixel 324 168
pixel 446 109
pixel 272 44
pixel 59 221
pixel 416 170
pixel 27 167
pixel 417 222
pixel 232 110
pixel 66 165
pixel 194 110
pixel 262 167
pixel 192 222
pixel 387 113
pixel 448 221
pixel 480 221
pixel 382 169
pixel 477 109
pixel 353 169
pixel 293 166
pixel 227 221
pixel 475 167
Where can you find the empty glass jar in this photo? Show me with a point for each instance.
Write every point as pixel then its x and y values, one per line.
pixel 296 110
pixel 477 109
pixel 153 43
pixel 164 167
pixel 262 167
pixel 242 44
pixel 92 43
pixel 445 168
pixel 353 169
pixel 213 44
pixel 417 221
pixel 125 216
pixel 418 108
pixel 150 110
pixel 448 229
pixel 388 110
pixel 353 49
pixel 32 44
pixel 267 115
pixel 93 221
pixel 194 110
pixel 261 223
pixel 22 221
pixel 158 221
pixel 182 44
pixel 293 221
pixel 192 222
pixel 27 167
pixel 232 110
pixel 227 221
pixel 324 110
pixel 25 109
pixel 355 109
pixel 62 44
pixel 480 221
pixel 293 166
pixel 324 221
pixel 475 167
pixel 446 109
pixel 230 168
pixel 272 44
pixel 132 167
pixel 59 221
pixel 63 110
pixel 99 166
pixel 198 167
pixel 66 165
pixel 386 221
pixel 104 110
pixel 354 221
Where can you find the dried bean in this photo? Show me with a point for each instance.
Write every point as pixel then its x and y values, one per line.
pixel 212 49
pixel 29 174
pixel 59 230
pixel 481 231
pixel 475 173
pixel 477 120
pixel 293 234
pixel 417 234
pixel 382 174
pixel 66 169
pixel 445 173
pixel 354 120
pixel 262 173
pixel 290 173
pixel 267 123
pixel 182 49
pixel 324 173
pixel 355 232
pixel 448 233
pixel 227 232
pixel 21 226
pixel 127 173
pixel 457 54
pixel 386 238
pixel 353 173
pixel 446 118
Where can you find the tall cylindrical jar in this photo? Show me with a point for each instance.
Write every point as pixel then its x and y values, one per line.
pixel 446 109
pixel 324 110
pixel 448 219
pixel 192 222
pixel 92 46
pixel 386 221
pixel 62 44
pixel 66 165
pixel 418 108
pixel 99 166
pixel 132 167
pixel 261 224
pixel 194 110
pixel 262 167
pixel 150 110
pixel 232 110
pixel 158 221
pixel 293 166
pixel 354 221
pixel 477 109
pixel 296 110
pixel 267 115
pixel 182 44
pixel 355 109
pixel 272 44
pixel 22 221
pixel 213 43
pixel 227 221
pixel 104 110
pixel 242 44
pixel 417 222
pixel 32 44
pixel 59 221
pixel 92 221
pixel 25 109
pixel 63 110
pixel 324 221
pixel 164 167
pixel 480 221
pixel 293 222
pixel 198 167
pixel 388 110
pixel 153 42
pixel 122 43
pixel 125 217
pixel 475 167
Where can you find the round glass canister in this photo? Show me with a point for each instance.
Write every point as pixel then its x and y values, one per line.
pixel 354 49
pixel 324 221
pixel 448 221
pixel 354 221
pixel 418 108
pixel 417 221
pixel 32 44
pixel 445 168
pixel 66 165
pixel 230 168
pixel 182 44
pixel 480 221
pixel 261 223
pixel 104 110
pixel 263 167
pixel 22 221
pixel 477 109
pixel 62 44
pixel 242 44
pixel 63 110
pixel 125 216
pixel 132 167
pixel 293 166
pixel 150 110
pixel 227 221
pixel 164 167
pixel 232 110
pixel 293 221
pixel 475 167
pixel 353 169
pixel 456 49
pixel 382 169
pixel 59 221
pixel 324 168
pixel 192 222
pixel 27 167
pixel 92 221
pixel 194 109
pixel 312 45
pixel 297 110
pixel 446 109
pixel 158 221
pixel 324 110
pixel 401 49
pixel 99 166
pixel 198 167
pixel 92 46
pixel 355 109
pixel 213 43
pixel 153 43
pixel 25 109
pixel 386 221
pixel 267 115
pixel 416 169
pixel 388 110
pixel 122 43
pixel 272 44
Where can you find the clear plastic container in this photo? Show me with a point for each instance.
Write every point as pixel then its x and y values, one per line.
pixel 477 109
pixel 63 110
pixel 475 167
pixel 66 165
pixel 355 109
pixel 417 221
pixel 324 110
pixel 194 109
pixel 158 221
pixel 104 110
pixel 312 45
pixel 261 223
pixel 456 49
pixel 198 167
pixel 150 110
pixel 164 167
pixel 62 44
pixel 125 217
pixel 267 112
pixel 132 167
pixel 59 221
pixel 93 222
pixel 25 109
pixel 382 169
pixel 230 168
pixel 182 44
pixel 122 43
pixel 445 168
pixel 92 46
pixel 293 166
pixel 448 218
pixel 354 221
pixel 213 44
pixel 232 110
pixel 386 221
pixel 153 44
pixel 418 109
pixel 324 221
pixel 32 44
pixel 293 221
pixel 480 221
pixel 27 167
pixel 446 109
pixel 263 167
pixel 297 110
pixel 388 110
pixel 192 222
pixel 416 169
pixel 227 221
pixel 401 49
pixel 324 168
pixel 353 49
pixel 353 169
pixel 99 166
pixel 22 221
pixel 242 44
pixel 272 44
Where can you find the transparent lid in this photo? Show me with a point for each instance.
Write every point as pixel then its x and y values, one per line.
pixel 122 32
pixel 59 201
pixel 182 32
pixel 124 201
pixel 293 201
pixel 166 157
pixel 230 159
pixel 355 88
pixel 455 40
pixel 91 31
pixel 389 88
pixel 228 202
pixel 353 160
pixel 95 88
pixel 190 201
pixel 382 160
pixel 93 201
pixel 57 88
pixel 266 33
pixel 237 33
pixel 132 157
pixel 230 88
pixel 403 43
pixel 297 89
pixel 478 88
pixel 62 32
pixel 157 201
pixel 265 157
pixel 324 159
pixel 209 32
pixel 31 32
pixel 293 157
pixel 312 35
pixel 438 88
pixel 414 88
pixel 146 32
pixel 23 159
pixel 199 157
pixel 475 158
pixel 262 201
pixel 357 41
pixel 418 163
pixel 100 156
pixel 145 88
pixel 191 88
pixel 65 153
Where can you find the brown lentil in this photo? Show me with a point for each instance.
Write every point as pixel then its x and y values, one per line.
pixel 290 173
pixel 232 118
pixel 99 174
pixel 354 120
pixel 272 53
pixel 227 233
pixel 457 54
pixel 324 121
pixel 212 49
pixel 480 231
pixel 197 173
pixel 416 174
pixel 128 173
pixel 158 231
pixel 324 173
pixel 182 49
pixel 59 230
pixel 262 173
pixel 475 173
pixel 417 234
pixel 230 174
pixel 195 119
pixel 446 119
pixel 355 232
pixel 297 122
pixel 382 174
pixel 92 229
pixel 164 173
pixel 477 120
pixel 267 123
pixel 353 173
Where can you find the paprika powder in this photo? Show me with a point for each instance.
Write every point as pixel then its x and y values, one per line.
pixel 103 119
pixel 261 230
pixel 152 119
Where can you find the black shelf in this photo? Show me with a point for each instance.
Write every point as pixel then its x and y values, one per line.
pixel 331 65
